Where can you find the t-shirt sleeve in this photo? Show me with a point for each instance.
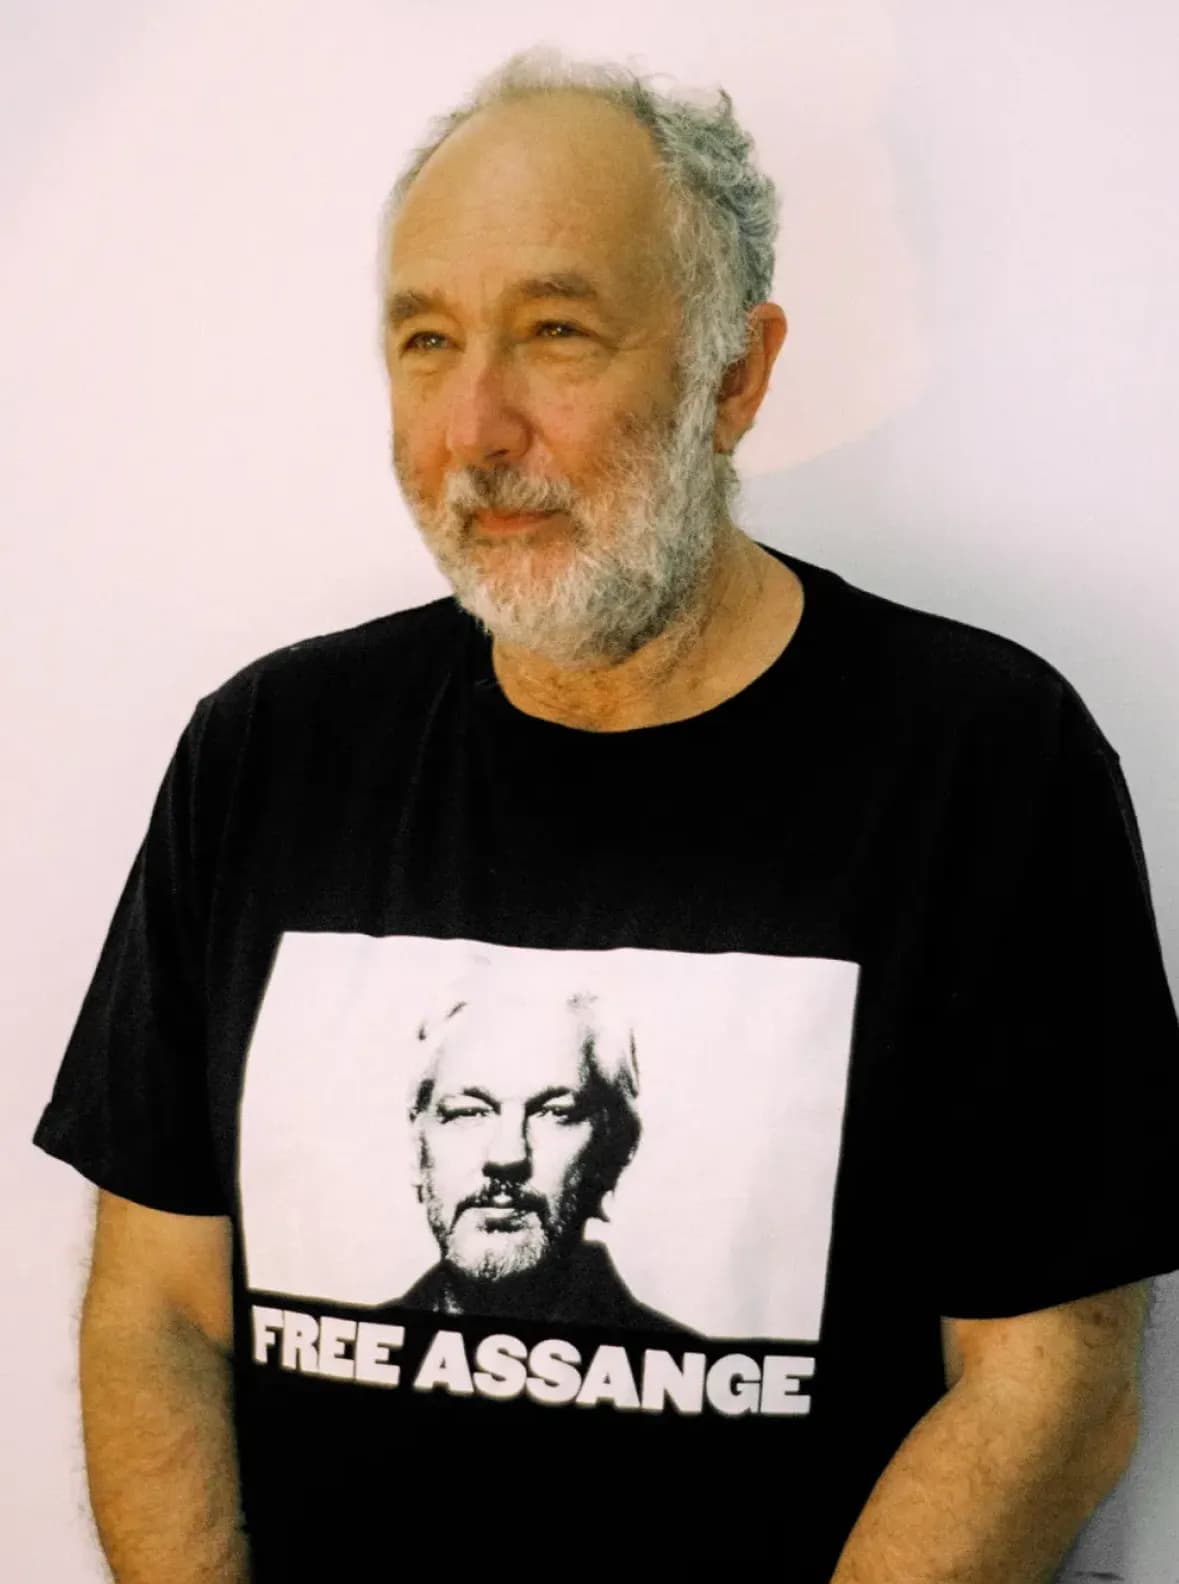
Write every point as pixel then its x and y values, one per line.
pixel 1057 1059
pixel 129 1108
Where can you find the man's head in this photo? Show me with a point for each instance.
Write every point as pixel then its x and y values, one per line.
pixel 523 1119
pixel 615 411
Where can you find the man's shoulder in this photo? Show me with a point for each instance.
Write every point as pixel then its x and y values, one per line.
pixel 940 672
pixel 945 650
pixel 327 688
pixel 605 1299
pixel 409 640
pixel 425 1293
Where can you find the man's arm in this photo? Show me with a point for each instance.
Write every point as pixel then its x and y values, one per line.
pixel 155 1346
pixel 995 1483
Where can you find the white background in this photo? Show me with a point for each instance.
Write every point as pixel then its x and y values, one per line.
pixel 975 412
pixel 723 1219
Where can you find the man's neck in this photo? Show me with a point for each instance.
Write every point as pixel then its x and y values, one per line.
pixel 750 609
pixel 528 1295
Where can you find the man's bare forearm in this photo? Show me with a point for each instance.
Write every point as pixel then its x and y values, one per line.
pixel 161 1455
pixel 982 1491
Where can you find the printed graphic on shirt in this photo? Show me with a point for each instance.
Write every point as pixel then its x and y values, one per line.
pixel 532 1143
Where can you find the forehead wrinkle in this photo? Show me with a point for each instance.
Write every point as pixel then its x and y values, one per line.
pixel 568 285
pixel 546 178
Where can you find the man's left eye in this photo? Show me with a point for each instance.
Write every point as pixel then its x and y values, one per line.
pixel 558 324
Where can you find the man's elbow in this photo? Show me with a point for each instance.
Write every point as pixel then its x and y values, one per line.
pixel 1110 1445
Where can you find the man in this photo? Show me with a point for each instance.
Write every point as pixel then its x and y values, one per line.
pixel 523 1121
pixel 636 729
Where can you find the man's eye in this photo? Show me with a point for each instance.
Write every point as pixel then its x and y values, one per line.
pixel 545 324
pixel 409 345
pixel 559 1112
pixel 458 1113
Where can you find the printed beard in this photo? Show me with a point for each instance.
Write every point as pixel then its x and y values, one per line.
pixel 495 1244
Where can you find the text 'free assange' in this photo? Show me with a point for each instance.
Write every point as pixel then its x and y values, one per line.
pixel 503 1368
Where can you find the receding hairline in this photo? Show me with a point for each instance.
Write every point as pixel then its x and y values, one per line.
pixel 500 114
pixel 577 277
pixel 586 103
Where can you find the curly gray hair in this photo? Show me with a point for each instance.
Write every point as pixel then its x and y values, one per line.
pixel 722 210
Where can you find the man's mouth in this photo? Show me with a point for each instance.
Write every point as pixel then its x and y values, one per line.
pixel 507 1219
pixel 503 1209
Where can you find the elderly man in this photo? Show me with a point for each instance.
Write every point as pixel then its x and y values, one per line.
pixel 523 1121
pixel 635 728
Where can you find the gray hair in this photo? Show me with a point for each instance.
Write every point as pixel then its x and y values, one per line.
pixel 722 210
pixel 610 1069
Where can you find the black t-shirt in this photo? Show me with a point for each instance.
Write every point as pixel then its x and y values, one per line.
pixel 607 1119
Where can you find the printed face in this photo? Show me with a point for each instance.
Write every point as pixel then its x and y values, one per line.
pixel 503 1149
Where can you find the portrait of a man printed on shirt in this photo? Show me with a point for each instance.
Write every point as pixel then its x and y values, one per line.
pixel 523 1116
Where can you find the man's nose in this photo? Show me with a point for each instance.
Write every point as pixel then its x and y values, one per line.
pixel 507 1148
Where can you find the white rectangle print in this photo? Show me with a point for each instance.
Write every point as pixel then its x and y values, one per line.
pixel 720 1218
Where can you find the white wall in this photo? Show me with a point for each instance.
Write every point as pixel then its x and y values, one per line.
pixel 974 413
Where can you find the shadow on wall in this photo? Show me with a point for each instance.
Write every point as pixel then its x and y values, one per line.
pixel 850 272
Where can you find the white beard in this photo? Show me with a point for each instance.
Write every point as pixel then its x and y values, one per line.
pixel 630 565
pixel 491 1256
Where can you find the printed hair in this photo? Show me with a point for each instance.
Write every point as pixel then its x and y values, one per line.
pixel 610 1084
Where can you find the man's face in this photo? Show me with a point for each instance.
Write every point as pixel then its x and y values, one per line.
pixel 570 406
pixel 504 1145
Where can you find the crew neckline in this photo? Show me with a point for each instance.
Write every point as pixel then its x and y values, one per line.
pixel 818 585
